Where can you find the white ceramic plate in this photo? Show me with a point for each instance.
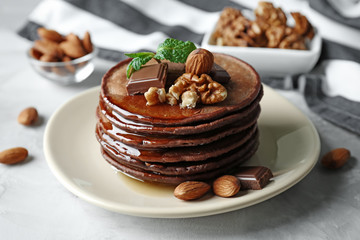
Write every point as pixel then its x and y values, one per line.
pixel 272 61
pixel 289 146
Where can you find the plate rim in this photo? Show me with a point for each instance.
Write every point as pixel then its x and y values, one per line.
pixel 168 212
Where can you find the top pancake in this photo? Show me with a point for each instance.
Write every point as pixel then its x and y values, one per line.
pixel 242 89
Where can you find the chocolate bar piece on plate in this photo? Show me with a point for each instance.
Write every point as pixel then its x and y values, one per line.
pixel 254 178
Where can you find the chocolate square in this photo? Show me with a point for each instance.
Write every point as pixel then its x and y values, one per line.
pixel 219 74
pixel 254 178
pixel 174 71
pixel 147 76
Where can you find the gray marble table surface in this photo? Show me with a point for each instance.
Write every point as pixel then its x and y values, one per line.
pixel 34 205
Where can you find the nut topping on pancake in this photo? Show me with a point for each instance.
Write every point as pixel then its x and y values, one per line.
pixel 199 61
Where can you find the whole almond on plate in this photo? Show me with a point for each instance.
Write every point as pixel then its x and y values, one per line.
pixel 199 61
pixel 226 186
pixel 191 190
pixel 13 155
pixel 336 158
pixel 50 34
pixel 28 116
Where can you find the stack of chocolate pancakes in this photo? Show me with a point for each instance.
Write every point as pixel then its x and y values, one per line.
pixel 168 144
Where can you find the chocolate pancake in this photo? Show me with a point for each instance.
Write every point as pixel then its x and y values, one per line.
pixel 180 154
pixel 169 144
pixel 144 141
pixel 183 168
pixel 199 127
pixel 149 176
pixel 243 88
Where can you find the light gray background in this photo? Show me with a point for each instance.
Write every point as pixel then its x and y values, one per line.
pixel 34 205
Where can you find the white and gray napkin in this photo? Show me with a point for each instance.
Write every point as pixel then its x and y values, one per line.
pixel 332 89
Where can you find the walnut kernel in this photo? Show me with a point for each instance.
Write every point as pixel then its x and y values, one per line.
pixel 189 99
pixel 155 96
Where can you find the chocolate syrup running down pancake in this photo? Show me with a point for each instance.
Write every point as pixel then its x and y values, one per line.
pixel 146 141
pixel 184 168
pixel 176 179
pixel 168 144
pixel 183 154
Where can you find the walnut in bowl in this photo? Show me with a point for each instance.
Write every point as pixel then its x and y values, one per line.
pixel 271 45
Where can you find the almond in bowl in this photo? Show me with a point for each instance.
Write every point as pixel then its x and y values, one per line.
pixel 62 59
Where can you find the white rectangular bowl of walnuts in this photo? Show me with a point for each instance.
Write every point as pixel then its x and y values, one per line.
pixel 268 42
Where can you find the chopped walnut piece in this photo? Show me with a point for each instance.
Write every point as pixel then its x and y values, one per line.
pixel 188 89
pixel 155 96
pixel 212 92
pixel 189 99
pixel 226 17
pixel 270 14
pixel 275 35
pixel 170 99
pixel 289 41
pixel 178 88
pixel 301 23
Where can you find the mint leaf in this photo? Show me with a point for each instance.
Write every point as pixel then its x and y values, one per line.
pixel 139 54
pixel 138 60
pixel 171 49
pixel 174 50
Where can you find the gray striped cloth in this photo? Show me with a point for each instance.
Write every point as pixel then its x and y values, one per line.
pixel 119 26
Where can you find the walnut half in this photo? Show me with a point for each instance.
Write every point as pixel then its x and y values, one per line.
pixel 207 90
pixel 155 96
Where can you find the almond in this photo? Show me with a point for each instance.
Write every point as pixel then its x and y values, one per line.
pixel 13 155
pixel 73 48
pixel 50 34
pixel 87 42
pixel 48 58
pixel 226 186
pixel 199 61
pixel 28 116
pixel 60 71
pixel 48 47
pixel 68 65
pixel 336 158
pixel 191 190
pixel 35 53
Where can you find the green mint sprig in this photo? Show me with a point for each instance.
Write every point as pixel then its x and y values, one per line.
pixel 171 49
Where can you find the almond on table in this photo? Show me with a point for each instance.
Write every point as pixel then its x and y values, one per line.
pixel 28 116
pixel 336 158
pixel 13 155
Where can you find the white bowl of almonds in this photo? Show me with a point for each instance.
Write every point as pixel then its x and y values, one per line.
pixel 62 59
pixel 274 43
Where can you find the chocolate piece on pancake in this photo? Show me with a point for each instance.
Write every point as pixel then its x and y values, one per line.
pixel 148 76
